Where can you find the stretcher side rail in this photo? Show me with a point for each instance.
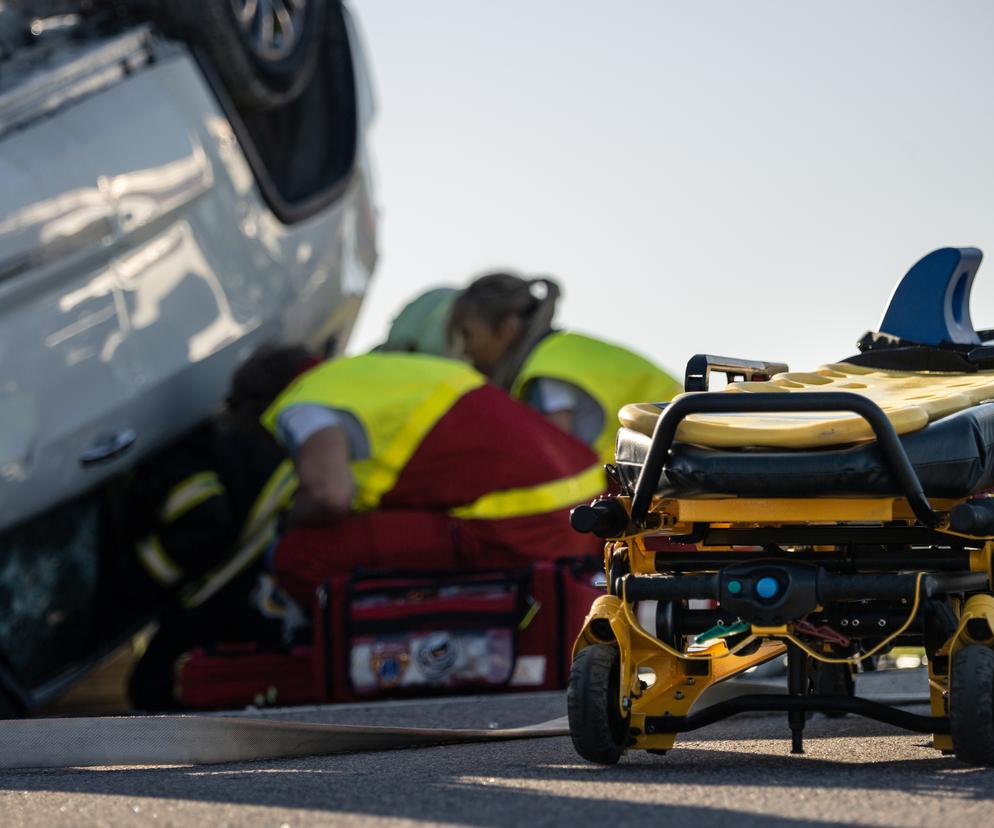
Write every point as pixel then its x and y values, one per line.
pixel 888 443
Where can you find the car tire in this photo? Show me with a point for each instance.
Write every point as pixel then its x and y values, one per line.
pixel 598 730
pixel 971 711
pixel 260 67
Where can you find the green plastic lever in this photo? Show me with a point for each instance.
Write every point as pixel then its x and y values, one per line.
pixel 721 631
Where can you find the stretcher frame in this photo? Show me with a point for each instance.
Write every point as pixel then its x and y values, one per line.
pixel 921 560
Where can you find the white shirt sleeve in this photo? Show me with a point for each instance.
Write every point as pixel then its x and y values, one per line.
pixel 552 395
pixel 555 395
pixel 297 423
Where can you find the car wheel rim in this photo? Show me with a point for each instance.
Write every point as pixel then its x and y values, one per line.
pixel 271 28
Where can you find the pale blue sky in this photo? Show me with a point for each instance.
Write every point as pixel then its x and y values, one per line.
pixel 744 178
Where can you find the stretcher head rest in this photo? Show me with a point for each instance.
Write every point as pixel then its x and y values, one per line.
pixel 927 324
pixel 931 304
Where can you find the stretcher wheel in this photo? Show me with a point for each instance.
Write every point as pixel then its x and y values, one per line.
pixel 971 714
pixel 598 730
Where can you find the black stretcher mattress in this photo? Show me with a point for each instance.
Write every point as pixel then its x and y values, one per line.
pixel 953 457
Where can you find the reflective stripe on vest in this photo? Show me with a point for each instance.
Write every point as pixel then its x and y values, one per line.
pixel 537 500
pixel 259 532
pixel 397 399
pixel 612 375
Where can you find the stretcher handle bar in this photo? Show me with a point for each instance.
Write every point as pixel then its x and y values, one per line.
pixel 844 587
pixel 860 559
pixel 764 403
pixel 656 588
pixel 829 586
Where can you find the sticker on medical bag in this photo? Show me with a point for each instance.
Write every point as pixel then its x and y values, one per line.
pixel 388 663
pixel 431 658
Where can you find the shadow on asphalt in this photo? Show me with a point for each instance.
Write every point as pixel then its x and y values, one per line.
pixel 538 782
pixel 448 801
pixel 542 782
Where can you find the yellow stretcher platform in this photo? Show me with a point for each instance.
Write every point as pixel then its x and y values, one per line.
pixel 911 400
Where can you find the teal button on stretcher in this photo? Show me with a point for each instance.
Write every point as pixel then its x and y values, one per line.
pixel 735 587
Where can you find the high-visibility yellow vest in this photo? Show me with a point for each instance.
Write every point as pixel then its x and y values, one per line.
pixel 612 375
pixel 397 399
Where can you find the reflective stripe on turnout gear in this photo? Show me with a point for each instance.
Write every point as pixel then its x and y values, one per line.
pixel 274 498
pixel 181 499
pixel 190 493
pixel 536 500
pixel 259 532
pixel 156 562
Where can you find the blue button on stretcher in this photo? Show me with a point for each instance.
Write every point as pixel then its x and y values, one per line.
pixel 767 587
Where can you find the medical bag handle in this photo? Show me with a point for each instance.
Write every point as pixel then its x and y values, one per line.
pixel 887 440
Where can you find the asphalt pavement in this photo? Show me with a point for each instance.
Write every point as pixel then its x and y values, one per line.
pixel 738 772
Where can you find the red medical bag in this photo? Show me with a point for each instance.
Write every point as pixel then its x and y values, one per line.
pixel 388 635
pixel 239 675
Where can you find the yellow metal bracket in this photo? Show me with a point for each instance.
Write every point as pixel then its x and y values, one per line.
pixel 767 631
pixel 678 678
pixel 676 514
pixel 976 626
pixel 980 561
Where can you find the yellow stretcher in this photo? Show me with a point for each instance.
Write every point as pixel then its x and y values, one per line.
pixel 828 516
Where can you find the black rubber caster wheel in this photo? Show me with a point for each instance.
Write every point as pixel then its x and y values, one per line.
pixel 971 713
pixel 598 730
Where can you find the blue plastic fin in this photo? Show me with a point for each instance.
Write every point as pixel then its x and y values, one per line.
pixel 931 304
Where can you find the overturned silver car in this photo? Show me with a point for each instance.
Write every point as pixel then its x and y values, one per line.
pixel 179 181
